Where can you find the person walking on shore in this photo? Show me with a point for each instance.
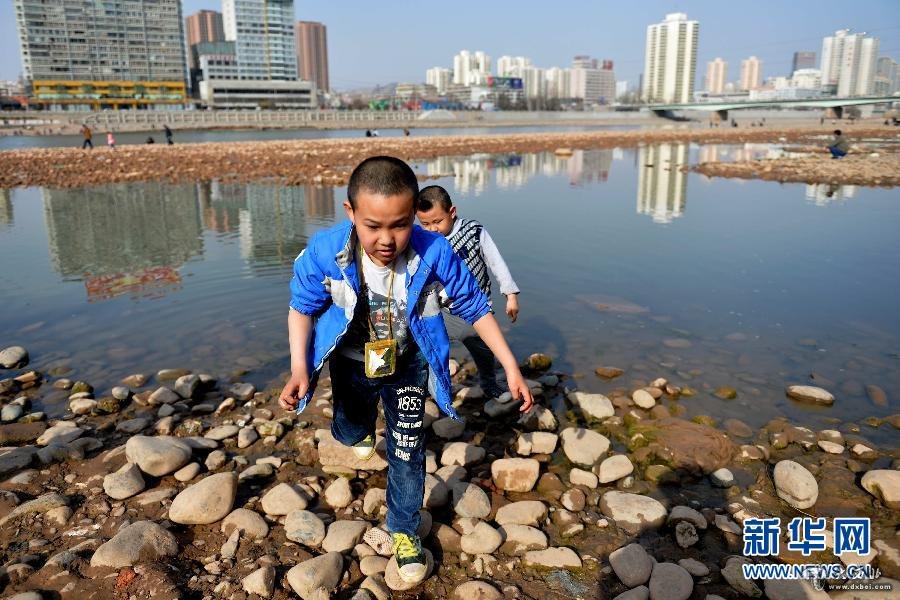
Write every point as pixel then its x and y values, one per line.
pixel 87 134
pixel 110 140
pixel 839 146
pixel 168 133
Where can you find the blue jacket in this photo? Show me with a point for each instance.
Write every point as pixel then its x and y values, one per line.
pixel 326 284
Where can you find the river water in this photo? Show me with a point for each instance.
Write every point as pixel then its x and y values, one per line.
pixel 623 260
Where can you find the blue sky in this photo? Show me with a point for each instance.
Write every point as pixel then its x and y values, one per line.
pixel 396 40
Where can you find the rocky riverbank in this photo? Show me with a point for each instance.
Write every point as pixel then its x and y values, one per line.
pixel 176 485
pixel 330 161
pixel 881 168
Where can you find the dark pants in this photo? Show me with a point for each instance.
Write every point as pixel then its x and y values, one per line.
pixel 402 398
pixel 459 330
pixel 87 143
pixel 837 152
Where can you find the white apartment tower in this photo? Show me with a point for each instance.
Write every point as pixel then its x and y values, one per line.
pixel 751 73
pixel 558 82
pixel 670 60
pixel 263 33
pixel 471 68
pixel 716 76
pixel 440 78
pixel 849 63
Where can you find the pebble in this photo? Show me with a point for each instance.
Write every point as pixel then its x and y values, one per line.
pixel 686 534
pixel 475 590
pixel 722 478
pixel 686 513
pixel 694 567
pixel 304 527
pixel 632 512
pixel 124 483
pixel 249 522
pixel 143 541
pixel 830 447
pixel 795 485
pixel 448 428
pixel 518 539
pixel 246 437
pixel 283 499
pixel 159 455
pixel 469 500
pixel 322 571
pixel 884 484
pixel 643 399
pixel 187 472
pixel 162 395
pixel 343 535
pixel 13 357
pixel 553 558
pixel 483 539
pixel 594 406
pixel 613 468
pixel 61 433
pixel 338 494
pixel 810 394
pixel 524 512
pixel 670 582
pixel 631 564
pixel 583 446
pixel 222 432
pixel 260 582
pixel 582 477
pixel 206 501
pixel 242 391
pixel 536 442
pixel 462 454
pixel 515 474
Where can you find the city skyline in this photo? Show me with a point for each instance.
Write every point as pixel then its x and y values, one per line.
pixel 530 32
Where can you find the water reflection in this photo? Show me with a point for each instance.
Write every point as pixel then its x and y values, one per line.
pixel 662 181
pixel 823 194
pixel 132 239
pixel 123 239
pixel 472 174
pixel 6 209
pixel 739 153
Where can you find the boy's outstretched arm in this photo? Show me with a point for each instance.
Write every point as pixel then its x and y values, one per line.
pixel 487 329
pixel 497 265
pixel 299 330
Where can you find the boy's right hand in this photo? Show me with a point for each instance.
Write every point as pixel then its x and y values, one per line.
pixel 295 388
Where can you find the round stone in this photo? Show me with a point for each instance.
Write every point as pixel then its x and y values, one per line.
pixel 476 590
pixel 304 527
pixel 158 455
pixel 614 468
pixel 583 446
pixel 124 483
pixel 810 394
pixel 206 501
pixel 670 582
pixel 631 564
pixel 483 539
pixel 322 571
pixel 469 500
pixel 632 512
pixel 515 474
pixel 249 522
pixel 795 485
pixel 143 541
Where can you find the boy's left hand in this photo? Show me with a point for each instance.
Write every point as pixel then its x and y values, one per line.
pixel 520 391
pixel 512 307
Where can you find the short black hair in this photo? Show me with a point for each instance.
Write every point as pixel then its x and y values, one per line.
pixel 837 132
pixel 431 195
pixel 385 175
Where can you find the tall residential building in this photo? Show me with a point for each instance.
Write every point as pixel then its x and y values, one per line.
pixel 592 81
pixel 849 63
pixel 804 59
pixel 512 66
pixel 751 73
pixel 808 79
pixel 535 82
pixel 716 76
pixel 204 26
pixel 558 82
pixel 312 53
pixel 440 78
pixel 471 68
pixel 263 33
pixel 887 76
pixel 670 60
pixel 128 52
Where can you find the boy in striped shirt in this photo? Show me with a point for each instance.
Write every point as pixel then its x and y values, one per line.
pixel 473 244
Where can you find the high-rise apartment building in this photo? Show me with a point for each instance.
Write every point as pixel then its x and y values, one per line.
pixel 204 26
pixel 592 81
pixel 128 52
pixel 670 60
pixel 312 53
pixel 263 34
pixel 804 59
pixel 716 76
pixel 751 74
pixel 558 82
pixel 440 78
pixel 849 63
pixel 471 68
pixel 512 66
pixel 887 76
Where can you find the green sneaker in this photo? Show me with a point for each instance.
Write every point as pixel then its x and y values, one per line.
pixel 365 449
pixel 411 562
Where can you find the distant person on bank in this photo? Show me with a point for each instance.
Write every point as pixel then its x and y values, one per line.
pixel 839 146
pixel 87 134
pixel 473 244
pixel 110 140
pixel 168 133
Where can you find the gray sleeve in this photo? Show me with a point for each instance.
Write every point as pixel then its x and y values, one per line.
pixel 497 265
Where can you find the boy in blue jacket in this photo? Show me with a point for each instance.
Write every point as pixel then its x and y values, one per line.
pixel 367 296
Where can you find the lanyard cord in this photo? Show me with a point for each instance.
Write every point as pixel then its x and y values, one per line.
pixel 362 284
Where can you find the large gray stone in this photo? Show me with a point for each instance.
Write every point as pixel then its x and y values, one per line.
pixel 525 512
pixel 207 501
pixel 157 455
pixel 553 558
pixel 124 483
pixel 631 564
pixel 519 539
pixel 283 499
pixel 670 582
pixel 483 539
pixel 583 446
pixel 810 394
pixel 595 406
pixel 795 485
pixel 141 542
pixel 343 535
pixel 304 527
pixel 249 522
pixel 632 512
pixel 469 500
pixel 515 474
pixel 320 572
pixel 884 484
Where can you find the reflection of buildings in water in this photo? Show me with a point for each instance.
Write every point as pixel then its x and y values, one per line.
pixel 709 153
pixel 6 208
pixel 471 174
pixel 662 185
pixel 586 166
pixel 743 153
pixel 273 221
pixel 123 239
pixel 826 193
